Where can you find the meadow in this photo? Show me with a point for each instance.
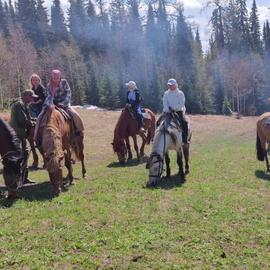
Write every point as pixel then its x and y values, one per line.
pixel 218 219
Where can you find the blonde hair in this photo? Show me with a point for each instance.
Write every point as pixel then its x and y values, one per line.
pixel 34 75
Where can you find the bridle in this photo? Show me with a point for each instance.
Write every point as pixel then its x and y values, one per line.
pixel 160 161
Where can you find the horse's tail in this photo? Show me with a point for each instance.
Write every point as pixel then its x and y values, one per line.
pixel 152 128
pixel 77 146
pixel 260 151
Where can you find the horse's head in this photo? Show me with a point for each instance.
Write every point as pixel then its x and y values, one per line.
pixel 155 166
pixel 119 147
pixel 12 164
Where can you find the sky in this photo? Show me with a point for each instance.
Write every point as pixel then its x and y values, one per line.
pixel 198 14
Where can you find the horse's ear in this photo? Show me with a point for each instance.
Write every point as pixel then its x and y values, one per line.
pixel 112 143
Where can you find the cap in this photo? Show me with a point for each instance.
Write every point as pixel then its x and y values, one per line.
pixel 29 93
pixel 172 81
pixel 131 83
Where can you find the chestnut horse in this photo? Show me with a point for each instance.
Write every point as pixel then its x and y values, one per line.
pixel 263 138
pixel 12 158
pixel 127 127
pixel 57 140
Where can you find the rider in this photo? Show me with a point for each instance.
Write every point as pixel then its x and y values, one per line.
pixel 59 94
pixel 174 99
pixel 134 99
pixel 22 122
pixel 40 91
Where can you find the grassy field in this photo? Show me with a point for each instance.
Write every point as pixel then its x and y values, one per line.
pixel 218 219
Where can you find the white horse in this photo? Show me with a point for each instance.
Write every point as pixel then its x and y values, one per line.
pixel 168 136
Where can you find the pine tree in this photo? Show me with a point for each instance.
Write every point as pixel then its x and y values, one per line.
pixel 266 37
pixel 77 21
pixel 151 30
pixel 27 18
pixel 42 18
pixel 242 25
pixel 218 28
pixel 255 34
pixel 3 19
pixel 59 30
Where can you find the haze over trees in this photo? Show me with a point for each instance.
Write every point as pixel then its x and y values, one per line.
pixel 99 47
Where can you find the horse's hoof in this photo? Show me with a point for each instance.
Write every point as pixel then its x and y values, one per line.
pixel 129 158
pixel 186 172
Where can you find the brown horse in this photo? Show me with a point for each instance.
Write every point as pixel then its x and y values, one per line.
pixel 12 158
pixel 56 134
pixel 127 127
pixel 30 139
pixel 263 138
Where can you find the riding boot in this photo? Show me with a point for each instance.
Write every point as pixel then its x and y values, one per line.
pixel 184 125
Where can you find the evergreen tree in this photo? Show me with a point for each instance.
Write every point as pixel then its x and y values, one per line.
pixel 3 19
pixel 59 30
pixel 27 18
pixel 151 30
pixel 242 25
pixel 266 36
pixel 77 21
pixel 255 34
pixel 42 18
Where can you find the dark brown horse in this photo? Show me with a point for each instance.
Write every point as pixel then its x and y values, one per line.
pixel 263 138
pixel 56 134
pixel 30 139
pixel 12 159
pixel 127 127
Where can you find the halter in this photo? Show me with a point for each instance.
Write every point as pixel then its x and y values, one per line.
pixel 160 161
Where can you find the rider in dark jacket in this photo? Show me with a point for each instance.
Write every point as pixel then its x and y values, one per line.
pixel 134 99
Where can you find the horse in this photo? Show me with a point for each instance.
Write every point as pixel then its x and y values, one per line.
pixel 56 132
pixel 127 126
pixel 12 159
pixel 263 138
pixel 30 139
pixel 168 136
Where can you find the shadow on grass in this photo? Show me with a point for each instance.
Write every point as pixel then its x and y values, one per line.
pixel 129 163
pixel 169 183
pixel 262 175
pixel 34 192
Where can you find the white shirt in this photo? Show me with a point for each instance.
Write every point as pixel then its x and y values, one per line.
pixel 174 99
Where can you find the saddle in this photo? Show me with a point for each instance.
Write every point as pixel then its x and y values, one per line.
pixel 64 113
pixel 145 114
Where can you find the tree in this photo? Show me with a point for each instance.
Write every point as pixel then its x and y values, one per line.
pixel 255 33
pixel 59 30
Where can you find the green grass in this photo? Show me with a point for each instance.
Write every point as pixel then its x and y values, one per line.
pixel 218 219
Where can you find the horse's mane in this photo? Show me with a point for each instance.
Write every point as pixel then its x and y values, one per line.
pixel 119 130
pixel 52 138
pixel 11 135
pixel 165 127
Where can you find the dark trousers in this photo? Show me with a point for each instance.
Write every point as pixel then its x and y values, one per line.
pixel 184 124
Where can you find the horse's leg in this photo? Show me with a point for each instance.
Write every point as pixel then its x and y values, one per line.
pixel 69 166
pixel 186 156
pixel 142 146
pixel 81 155
pixel 180 165
pixel 167 161
pixel 134 137
pixel 34 165
pixel 128 148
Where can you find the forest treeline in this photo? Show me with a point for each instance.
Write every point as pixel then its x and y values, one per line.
pixel 101 44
